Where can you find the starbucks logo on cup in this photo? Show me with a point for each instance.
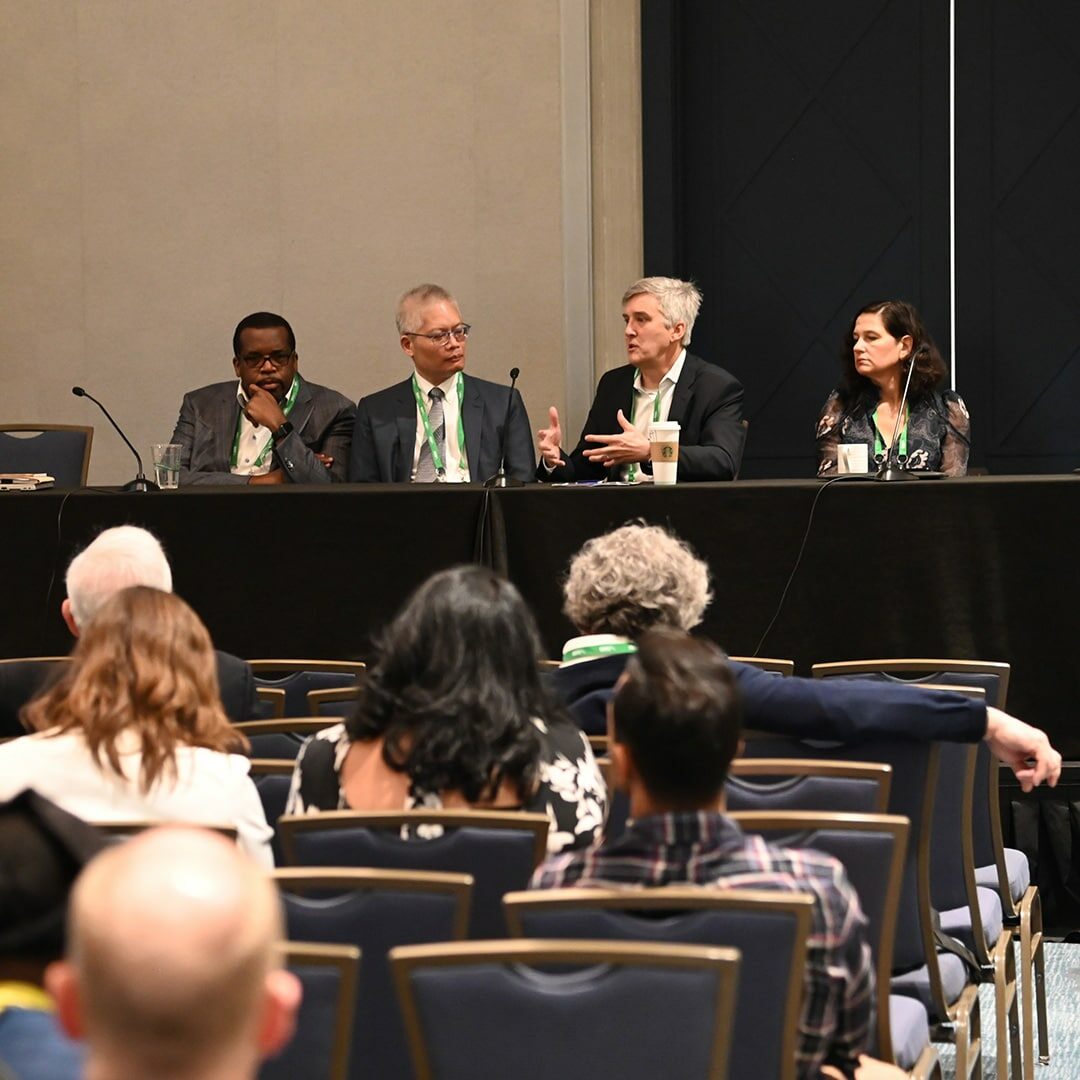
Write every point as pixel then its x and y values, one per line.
pixel 667 452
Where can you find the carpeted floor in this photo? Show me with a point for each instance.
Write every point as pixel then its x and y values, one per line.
pixel 1063 1016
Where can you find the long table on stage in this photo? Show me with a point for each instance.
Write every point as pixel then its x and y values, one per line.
pixel 983 567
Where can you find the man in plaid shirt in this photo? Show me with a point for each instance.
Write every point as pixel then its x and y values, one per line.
pixel 674 723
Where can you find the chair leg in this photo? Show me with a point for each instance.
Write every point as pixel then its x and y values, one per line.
pixel 1033 980
pixel 967 1031
pixel 1006 999
pixel 928 1067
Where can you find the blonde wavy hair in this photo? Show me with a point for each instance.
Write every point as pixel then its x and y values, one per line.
pixel 144 665
pixel 634 578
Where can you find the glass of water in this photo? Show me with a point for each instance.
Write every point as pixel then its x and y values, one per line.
pixel 166 464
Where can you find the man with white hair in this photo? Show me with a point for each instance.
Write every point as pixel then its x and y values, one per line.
pixel 173 967
pixel 661 381
pixel 117 559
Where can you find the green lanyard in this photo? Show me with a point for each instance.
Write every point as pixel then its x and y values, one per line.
pixel 618 648
pixel 631 472
pixel 879 442
pixel 290 401
pixel 433 446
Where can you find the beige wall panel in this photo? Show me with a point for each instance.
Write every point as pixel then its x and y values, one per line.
pixel 175 165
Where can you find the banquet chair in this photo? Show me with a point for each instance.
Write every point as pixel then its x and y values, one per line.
pixel 281 739
pixel 499 849
pixel 872 849
pixel 297 677
pixel 1005 871
pixel 61 450
pixel 482 1010
pixel 943 983
pixel 774 784
pixel 272 778
pixel 374 910
pixel 319 1048
pixel 767 663
pixel 332 702
pixel 768 928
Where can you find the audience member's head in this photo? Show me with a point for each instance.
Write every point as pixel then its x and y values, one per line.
pixel 143 675
pixel 42 851
pixel 455 686
pixel 674 722
pixel 117 559
pixel 634 578
pixel 172 966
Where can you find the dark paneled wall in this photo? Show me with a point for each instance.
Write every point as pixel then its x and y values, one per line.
pixel 797 166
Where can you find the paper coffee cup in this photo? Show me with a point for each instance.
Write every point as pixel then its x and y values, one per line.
pixel 664 450
pixel 852 458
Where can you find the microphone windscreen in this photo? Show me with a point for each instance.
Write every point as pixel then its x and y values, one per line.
pixel 514 373
pixel 78 391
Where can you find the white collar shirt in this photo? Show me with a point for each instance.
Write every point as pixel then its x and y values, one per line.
pixel 645 400
pixel 457 466
pixel 253 440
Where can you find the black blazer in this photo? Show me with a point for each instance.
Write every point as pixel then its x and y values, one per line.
pixel 384 438
pixel 707 402
pixel 19 682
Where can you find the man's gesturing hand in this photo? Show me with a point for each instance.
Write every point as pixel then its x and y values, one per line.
pixel 1025 749
pixel 622 449
pixel 549 440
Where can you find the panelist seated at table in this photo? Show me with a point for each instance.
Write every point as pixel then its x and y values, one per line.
pixel 439 425
pixel 886 338
pixel 271 426
pixel 661 381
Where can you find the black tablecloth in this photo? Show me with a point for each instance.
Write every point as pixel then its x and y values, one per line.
pixel 976 568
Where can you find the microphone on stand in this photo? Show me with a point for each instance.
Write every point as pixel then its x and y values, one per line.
pixel 890 467
pixel 500 479
pixel 140 483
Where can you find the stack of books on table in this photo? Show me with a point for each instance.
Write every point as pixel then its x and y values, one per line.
pixel 16 481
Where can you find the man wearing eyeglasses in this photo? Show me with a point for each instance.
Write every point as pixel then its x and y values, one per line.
pixel 439 425
pixel 271 426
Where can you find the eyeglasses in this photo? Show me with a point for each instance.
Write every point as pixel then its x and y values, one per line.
pixel 442 337
pixel 256 360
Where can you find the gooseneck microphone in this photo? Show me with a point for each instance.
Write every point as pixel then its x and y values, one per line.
pixel 890 466
pixel 500 479
pixel 140 483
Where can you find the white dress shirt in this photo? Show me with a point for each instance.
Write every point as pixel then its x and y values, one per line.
pixel 457 467
pixel 645 401
pixel 253 438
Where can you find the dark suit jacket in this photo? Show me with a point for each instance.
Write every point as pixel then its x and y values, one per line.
pixel 322 420
pixel 19 682
pixel 707 402
pixel 384 438
pixel 848 710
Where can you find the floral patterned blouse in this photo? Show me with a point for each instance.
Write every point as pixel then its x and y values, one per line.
pixel 938 433
pixel 571 789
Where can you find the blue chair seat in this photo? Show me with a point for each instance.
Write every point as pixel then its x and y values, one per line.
pixel 957 922
pixel 910 1030
pixel 916 984
pixel 1018 869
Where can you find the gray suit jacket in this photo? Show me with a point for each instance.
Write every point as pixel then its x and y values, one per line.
pixel 322 420
pixel 384 438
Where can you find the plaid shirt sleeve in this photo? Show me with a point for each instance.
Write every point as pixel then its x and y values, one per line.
pixel 838 1007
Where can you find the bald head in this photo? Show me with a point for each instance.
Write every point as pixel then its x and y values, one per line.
pixel 173 952
pixel 117 559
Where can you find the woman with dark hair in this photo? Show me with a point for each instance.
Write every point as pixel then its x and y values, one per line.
pixel 135 729
pixel 886 340
pixel 453 714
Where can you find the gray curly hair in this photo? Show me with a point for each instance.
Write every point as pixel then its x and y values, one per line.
pixel 633 578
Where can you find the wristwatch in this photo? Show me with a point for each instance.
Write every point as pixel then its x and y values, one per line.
pixel 283 432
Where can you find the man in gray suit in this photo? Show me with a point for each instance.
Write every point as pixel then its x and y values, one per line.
pixel 271 427
pixel 439 425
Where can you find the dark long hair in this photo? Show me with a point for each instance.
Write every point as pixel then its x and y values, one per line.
pixel 900 319
pixel 455 687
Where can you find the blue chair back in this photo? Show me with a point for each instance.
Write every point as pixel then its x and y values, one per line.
pixel 768 928
pixel 375 911
pixel 319 1049
pixel 792 784
pixel 635 1011
pixel 498 850
pixel 61 450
